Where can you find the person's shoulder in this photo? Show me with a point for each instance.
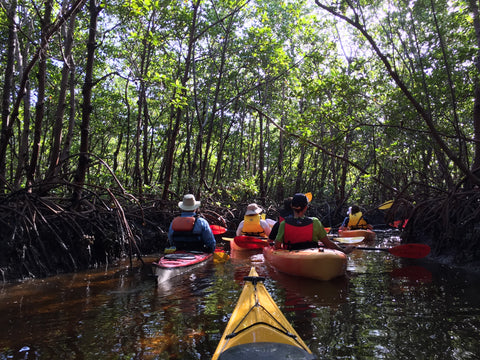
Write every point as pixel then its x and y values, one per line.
pixel 202 220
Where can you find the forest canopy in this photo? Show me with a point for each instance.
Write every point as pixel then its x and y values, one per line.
pixel 358 101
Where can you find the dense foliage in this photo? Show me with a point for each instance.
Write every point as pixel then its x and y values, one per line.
pixel 240 100
pixel 205 96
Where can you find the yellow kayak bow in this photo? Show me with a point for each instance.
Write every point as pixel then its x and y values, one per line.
pixel 257 327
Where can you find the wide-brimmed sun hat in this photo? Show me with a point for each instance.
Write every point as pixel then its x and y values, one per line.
pixel 253 209
pixel 189 203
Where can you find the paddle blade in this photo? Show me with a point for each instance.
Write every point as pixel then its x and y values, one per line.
pixel 386 205
pixel 412 251
pixel 349 240
pixel 250 242
pixel 309 196
pixel 218 230
pixel 220 256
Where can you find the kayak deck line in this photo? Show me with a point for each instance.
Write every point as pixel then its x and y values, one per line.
pixel 254 280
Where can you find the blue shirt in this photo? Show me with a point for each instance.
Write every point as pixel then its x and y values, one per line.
pixel 201 227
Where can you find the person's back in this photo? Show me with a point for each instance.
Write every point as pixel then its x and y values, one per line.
pixel 355 219
pixel 253 224
pixel 189 231
pixel 300 231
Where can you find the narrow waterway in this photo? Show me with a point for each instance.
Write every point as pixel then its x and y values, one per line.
pixel 385 308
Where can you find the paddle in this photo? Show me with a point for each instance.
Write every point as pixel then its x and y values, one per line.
pixel 348 240
pixel 250 242
pixel 218 230
pixel 412 251
pixel 309 196
pixel 386 205
pixel 220 256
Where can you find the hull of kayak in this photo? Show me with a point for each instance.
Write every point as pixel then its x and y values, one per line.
pixel 248 243
pixel 320 264
pixel 369 235
pixel 348 240
pixel 171 265
pixel 257 328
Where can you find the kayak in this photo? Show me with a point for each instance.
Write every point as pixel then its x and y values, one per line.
pixel 368 234
pixel 348 240
pixel 243 242
pixel 321 264
pixel 177 263
pixel 248 242
pixel 257 328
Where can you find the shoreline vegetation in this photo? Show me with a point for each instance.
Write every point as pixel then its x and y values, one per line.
pixel 45 236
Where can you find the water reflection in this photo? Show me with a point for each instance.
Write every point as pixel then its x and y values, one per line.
pixel 385 308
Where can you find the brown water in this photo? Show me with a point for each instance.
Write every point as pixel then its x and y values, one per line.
pixel 385 308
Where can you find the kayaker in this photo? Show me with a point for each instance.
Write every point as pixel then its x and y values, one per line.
pixel 303 232
pixel 252 223
pixel 355 220
pixel 284 213
pixel 189 231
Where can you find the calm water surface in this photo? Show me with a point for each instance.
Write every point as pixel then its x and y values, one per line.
pixel 385 308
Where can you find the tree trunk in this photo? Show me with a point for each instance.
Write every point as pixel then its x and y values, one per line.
pixel 71 117
pixel 40 106
pixel 177 112
pixel 11 117
pixel 7 90
pixel 476 106
pixel 261 164
pixel 25 133
pixel 87 100
pixel 60 112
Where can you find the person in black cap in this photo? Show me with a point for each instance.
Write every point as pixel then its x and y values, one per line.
pixel 284 213
pixel 303 232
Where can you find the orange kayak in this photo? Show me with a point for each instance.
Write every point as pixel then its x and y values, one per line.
pixel 320 264
pixel 368 234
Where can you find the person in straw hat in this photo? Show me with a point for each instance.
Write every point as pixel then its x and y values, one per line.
pixel 252 223
pixel 189 231
pixel 302 232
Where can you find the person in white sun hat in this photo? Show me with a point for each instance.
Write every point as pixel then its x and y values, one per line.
pixel 252 223
pixel 189 231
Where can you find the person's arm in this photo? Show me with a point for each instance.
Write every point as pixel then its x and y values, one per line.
pixel 266 228
pixel 170 235
pixel 206 234
pixel 331 245
pixel 274 232
pixel 280 235
pixel 239 228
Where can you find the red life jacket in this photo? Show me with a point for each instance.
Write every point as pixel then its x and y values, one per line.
pixel 298 233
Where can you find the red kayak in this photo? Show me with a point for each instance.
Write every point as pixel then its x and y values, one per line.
pixel 244 242
pixel 179 262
